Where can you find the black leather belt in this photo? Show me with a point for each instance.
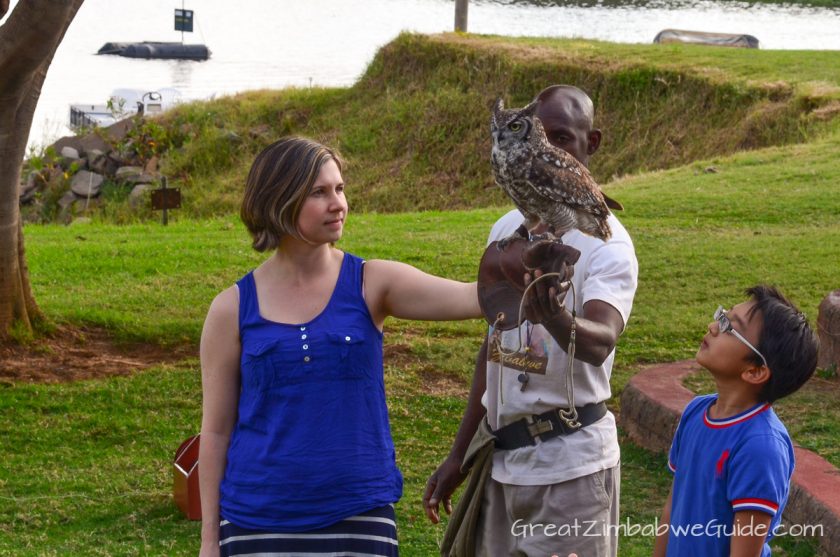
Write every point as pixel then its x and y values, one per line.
pixel 545 426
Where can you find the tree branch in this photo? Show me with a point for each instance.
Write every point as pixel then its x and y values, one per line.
pixel 30 35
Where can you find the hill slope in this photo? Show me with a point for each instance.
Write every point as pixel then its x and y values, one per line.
pixel 414 127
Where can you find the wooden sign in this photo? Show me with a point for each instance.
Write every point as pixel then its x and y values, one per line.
pixel 166 198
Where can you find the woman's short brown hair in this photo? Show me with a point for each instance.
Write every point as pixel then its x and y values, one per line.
pixel 279 181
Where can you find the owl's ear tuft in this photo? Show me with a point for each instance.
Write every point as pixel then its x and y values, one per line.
pixel 498 107
pixel 529 110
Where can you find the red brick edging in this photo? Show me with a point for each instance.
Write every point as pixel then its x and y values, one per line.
pixel 651 406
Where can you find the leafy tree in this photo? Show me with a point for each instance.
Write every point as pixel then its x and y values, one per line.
pixel 28 41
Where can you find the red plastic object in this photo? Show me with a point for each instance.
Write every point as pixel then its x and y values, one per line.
pixel 185 482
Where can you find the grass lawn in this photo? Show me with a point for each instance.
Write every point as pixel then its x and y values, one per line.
pixel 86 465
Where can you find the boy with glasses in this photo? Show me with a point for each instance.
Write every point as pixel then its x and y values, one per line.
pixel 731 457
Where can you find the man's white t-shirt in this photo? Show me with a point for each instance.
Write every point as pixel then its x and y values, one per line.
pixel 606 271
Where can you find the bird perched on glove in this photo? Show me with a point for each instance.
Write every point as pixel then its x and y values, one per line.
pixel 547 184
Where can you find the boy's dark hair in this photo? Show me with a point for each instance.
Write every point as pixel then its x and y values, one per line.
pixel 787 342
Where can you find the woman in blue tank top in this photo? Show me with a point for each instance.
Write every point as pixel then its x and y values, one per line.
pixel 296 451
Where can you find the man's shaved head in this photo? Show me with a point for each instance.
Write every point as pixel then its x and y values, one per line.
pixel 578 102
pixel 567 115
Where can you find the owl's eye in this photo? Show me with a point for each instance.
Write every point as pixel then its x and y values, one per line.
pixel 515 126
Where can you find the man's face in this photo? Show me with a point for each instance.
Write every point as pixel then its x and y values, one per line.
pixel 564 127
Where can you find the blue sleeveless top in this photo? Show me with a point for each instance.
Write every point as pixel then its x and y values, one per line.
pixel 312 443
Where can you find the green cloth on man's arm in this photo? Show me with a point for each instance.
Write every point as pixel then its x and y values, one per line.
pixel 459 538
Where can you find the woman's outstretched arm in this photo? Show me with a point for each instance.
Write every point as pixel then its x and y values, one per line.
pixel 400 290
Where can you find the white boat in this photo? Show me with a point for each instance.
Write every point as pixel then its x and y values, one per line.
pixel 121 104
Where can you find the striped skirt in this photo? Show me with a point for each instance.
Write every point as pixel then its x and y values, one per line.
pixel 370 534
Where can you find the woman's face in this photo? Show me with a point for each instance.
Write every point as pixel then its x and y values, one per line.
pixel 321 218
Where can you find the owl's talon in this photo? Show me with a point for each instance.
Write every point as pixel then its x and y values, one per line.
pixel 547 236
pixel 519 233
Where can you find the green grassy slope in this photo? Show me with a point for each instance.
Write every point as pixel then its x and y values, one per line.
pixel 414 128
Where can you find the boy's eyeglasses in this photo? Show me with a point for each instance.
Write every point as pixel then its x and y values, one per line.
pixel 725 326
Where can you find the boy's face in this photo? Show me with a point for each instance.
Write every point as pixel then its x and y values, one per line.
pixel 724 354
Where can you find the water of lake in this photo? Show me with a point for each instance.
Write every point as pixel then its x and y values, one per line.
pixel 277 43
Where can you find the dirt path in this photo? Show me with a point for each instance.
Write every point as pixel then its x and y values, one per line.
pixel 72 353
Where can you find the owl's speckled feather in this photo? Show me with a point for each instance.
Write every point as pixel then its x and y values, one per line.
pixel 546 183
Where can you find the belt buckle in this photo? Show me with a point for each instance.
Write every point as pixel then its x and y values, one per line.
pixel 569 421
pixel 539 427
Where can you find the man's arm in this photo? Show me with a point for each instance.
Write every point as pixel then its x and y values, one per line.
pixel 596 331
pixel 750 529
pixel 446 479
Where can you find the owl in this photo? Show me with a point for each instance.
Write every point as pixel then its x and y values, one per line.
pixel 546 183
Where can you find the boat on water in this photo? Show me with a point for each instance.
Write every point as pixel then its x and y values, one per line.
pixel 123 103
pixel 737 40
pixel 157 50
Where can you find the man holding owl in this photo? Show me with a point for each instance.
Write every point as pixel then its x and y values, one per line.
pixel 552 489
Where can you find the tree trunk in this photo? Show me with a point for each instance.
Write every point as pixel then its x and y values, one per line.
pixel 28 41
pixel 461 8
pixel 828 325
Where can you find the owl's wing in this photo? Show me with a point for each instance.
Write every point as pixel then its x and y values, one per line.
pixel 565 180
pixel 612 203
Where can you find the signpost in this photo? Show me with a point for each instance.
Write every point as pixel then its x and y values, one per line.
pixel 183 21
pixel 165 198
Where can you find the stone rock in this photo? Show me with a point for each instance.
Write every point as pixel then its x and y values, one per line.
pixel 34 180
pixel 71 141
pixel 93 142
pixel 828 326
pixel 30 187
pixel 83 143
pixel 125 172
pixel 87 184
pixel 138 194
pixel 69 152
pixel 93 154
pixel 133 175
pixel 116 132
pixel 103 164
pixel 66 200
pixel 151 166
pixel 79 164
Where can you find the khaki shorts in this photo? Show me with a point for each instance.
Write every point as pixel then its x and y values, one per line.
pixel 578 516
